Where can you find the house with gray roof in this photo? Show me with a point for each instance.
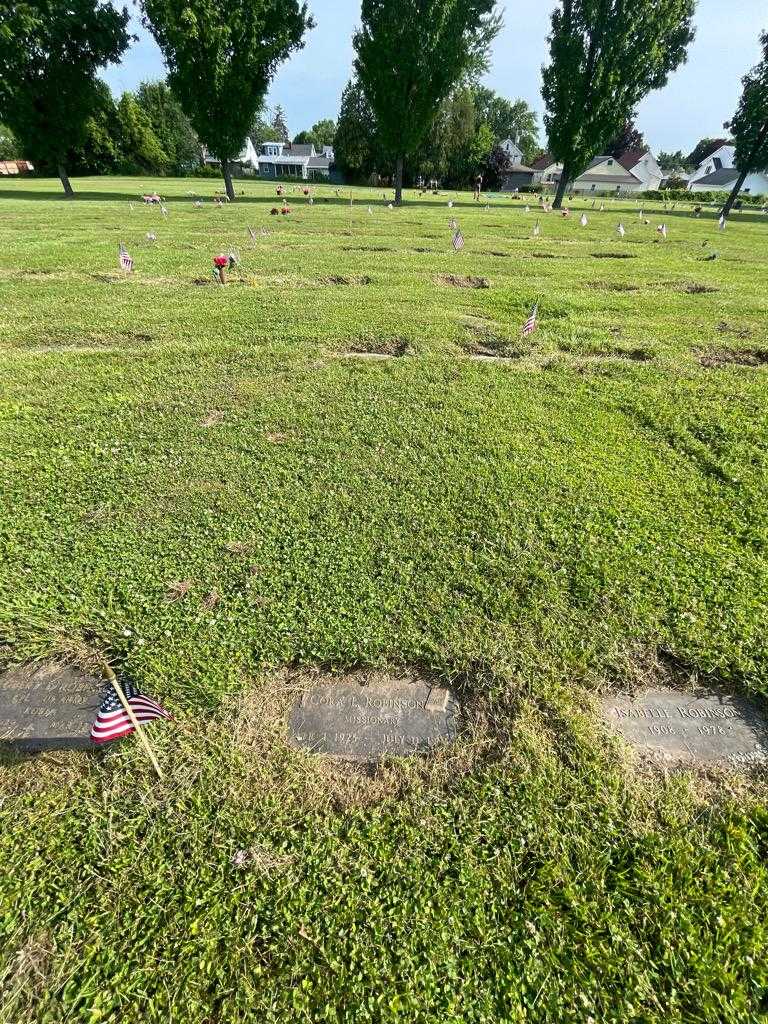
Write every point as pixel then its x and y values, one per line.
pixel 634 170
pixel 294 160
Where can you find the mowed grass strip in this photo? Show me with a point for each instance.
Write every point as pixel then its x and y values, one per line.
pixel 213 483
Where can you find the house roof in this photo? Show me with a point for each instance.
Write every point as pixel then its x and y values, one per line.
pixel 610 179
pixel 319 161
pixel 543 162
pixel 725 176
pixel 518 169
pixel 631 158
pixel 713 148
pixel 302 149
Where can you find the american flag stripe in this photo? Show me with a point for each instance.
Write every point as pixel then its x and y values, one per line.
pixel 530 323
pixel 113 722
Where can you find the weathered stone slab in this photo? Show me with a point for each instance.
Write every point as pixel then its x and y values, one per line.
pixel 705 728
pixel 387 717
pixel 47 706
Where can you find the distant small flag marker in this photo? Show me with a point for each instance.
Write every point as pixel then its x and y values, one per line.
pixel 536 229
pixel 164 211
pixel 126 261
pixel 252 233
pixel 721 222
pixel 662 229
pixel 458 240
pixel 530 324
pixel 584 220
pixel 622 230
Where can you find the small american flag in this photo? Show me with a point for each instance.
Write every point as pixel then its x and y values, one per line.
pixel 536 229
pixel 621 229
pixel 458 240
pixel 252 233
pixel 721 222
pixel 112 721
pixel 126 261
pixel 662 229
pixel 584 221
pixel 453 224
pixel 163 210
pixel 530 324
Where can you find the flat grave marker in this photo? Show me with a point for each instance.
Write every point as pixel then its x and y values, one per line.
pixel 705 727
pixel 389 717
pixel 47 706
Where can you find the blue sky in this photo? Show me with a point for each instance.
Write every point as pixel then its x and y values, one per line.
pixel 698 98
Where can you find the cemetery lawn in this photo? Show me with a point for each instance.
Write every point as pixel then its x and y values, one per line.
pixel 214 485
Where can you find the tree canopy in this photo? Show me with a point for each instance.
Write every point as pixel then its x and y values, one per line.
pixel 50 51
pixel 507 119
pixel 630 137
pixel 676 161
pixel 9 145
pixel 171 126
pixel 408 58
pixel 321 134
pixel 221 58
pixel 355 144
pixel 749 125
pixel 605 56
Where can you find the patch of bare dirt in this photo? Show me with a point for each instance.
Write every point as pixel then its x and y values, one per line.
pixel 613 256
pixel 739 332
pixel 396 347
pixel 718 357
pixel 338 279
pixel 694 288
pixel 366 248
pixel 459 281
pixel 484 342
pixel 615 286
pixel 213 418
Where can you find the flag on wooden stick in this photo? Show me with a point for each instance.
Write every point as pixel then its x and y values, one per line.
pixel 458 240
pixel 621 229
pixel 113 719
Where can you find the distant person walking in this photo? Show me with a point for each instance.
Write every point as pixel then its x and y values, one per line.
pixel 478 187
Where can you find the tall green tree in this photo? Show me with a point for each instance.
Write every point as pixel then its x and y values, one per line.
pixel 605 56
pixel 749 125
pixel 9 146
pixel 409 56
pixel 261 130
pixel 355 143
pixel 630 137
pixel 280 125
pixel 171 126
pixel 677 161
pixel 221 58
pixel 50 52
pixel 320 134
pixel 508 119
pixel 141 150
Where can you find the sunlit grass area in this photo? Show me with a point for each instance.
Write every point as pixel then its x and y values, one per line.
pixel 211 485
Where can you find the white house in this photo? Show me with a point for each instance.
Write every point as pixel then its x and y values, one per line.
pixel 284 160
pixel 720 156
pixel 635 170
pixel 546 170
pixel 512 150
pixel 247 162
pixel 725 178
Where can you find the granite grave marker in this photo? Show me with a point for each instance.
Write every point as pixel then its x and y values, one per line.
pixel 705 727
pixel 47 706
pixel 387 717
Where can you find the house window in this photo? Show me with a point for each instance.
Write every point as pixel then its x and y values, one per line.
pixel 594 187
pixel 718 163
pixel 610 163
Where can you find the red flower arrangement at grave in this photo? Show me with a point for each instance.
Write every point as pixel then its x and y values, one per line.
pixel 306 191
pixel 286 209
pixel 221 261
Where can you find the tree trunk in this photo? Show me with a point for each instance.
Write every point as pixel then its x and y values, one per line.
pixel 734 194
pixel 759 143
pixel 227 179
pixel 399 182
pixel 68 190
pixel 561 188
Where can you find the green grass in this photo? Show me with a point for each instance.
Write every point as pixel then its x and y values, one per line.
pixel 585 512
